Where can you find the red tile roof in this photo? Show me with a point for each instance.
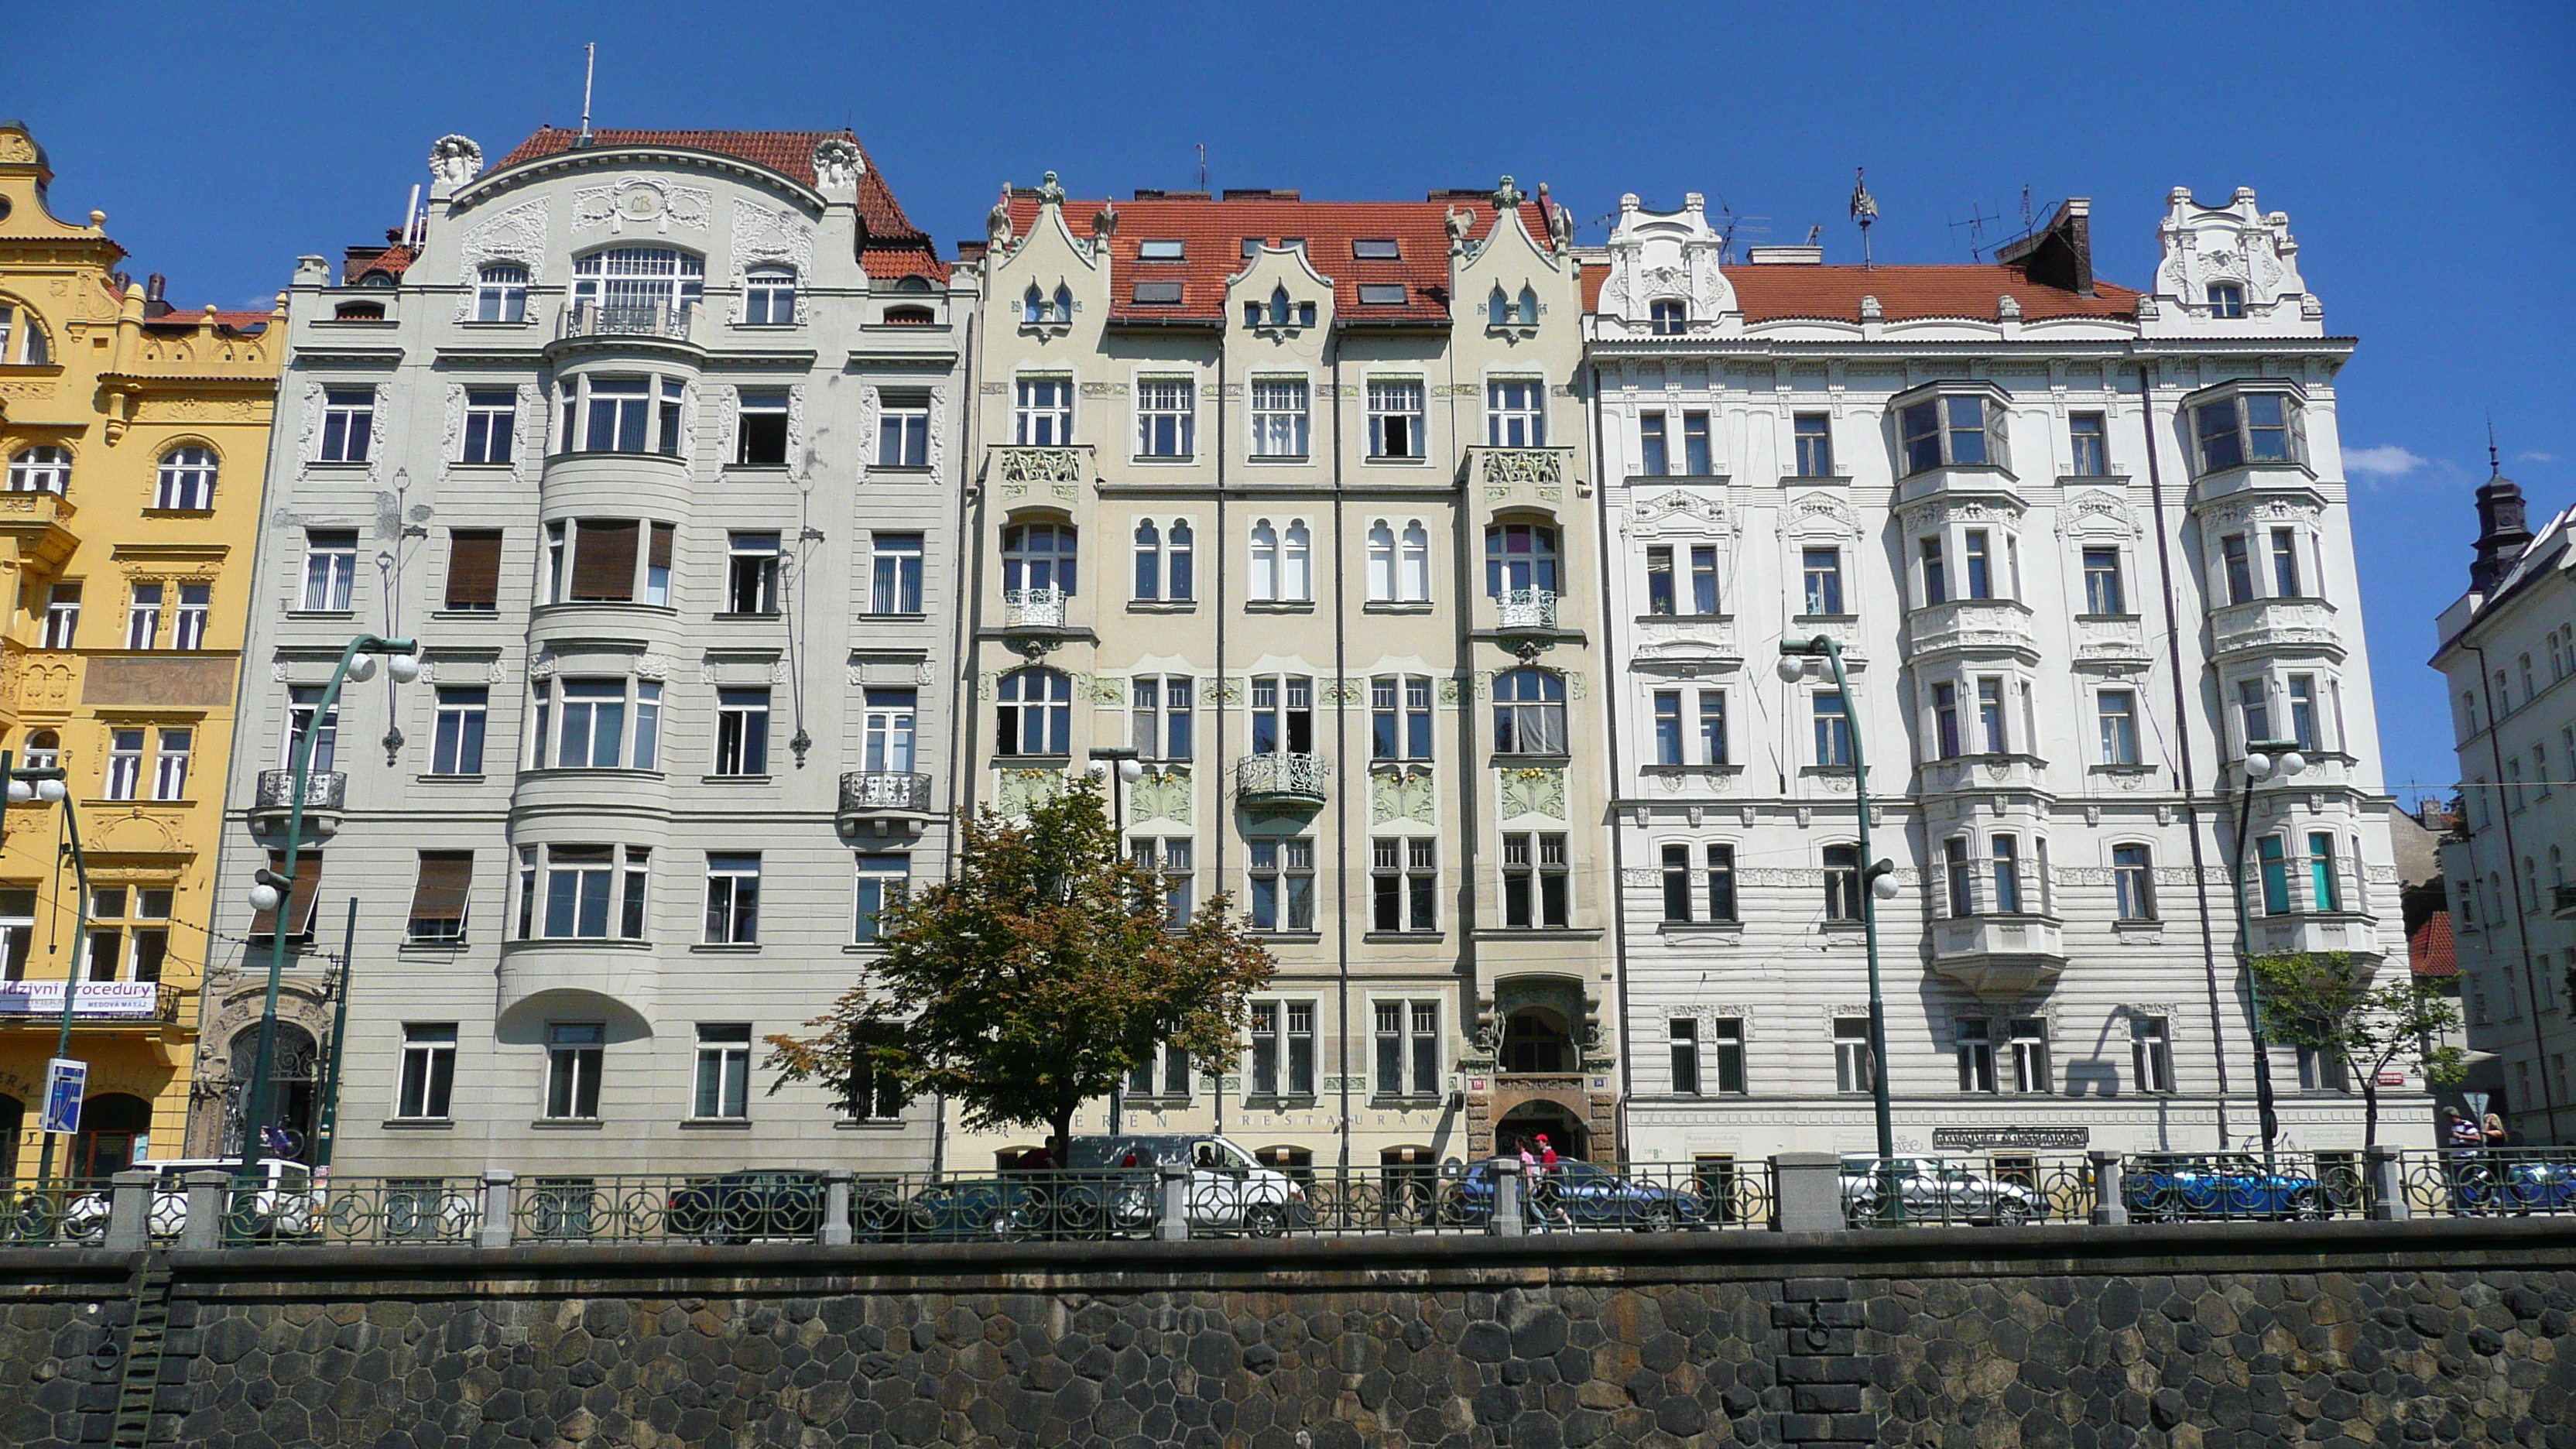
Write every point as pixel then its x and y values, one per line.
pixel 1773 293
pixel 393 261
pixel 1212 233
pixel 2430 951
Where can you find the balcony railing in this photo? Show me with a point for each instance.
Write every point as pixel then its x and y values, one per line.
pixel 878 792
pixel 323 790
pixel 1033 609
pixel 1282 779
pixel 1528 611
pixel 611 319
pixel 1023 464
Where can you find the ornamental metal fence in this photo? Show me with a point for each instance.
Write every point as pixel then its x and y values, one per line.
pixel 1989 1190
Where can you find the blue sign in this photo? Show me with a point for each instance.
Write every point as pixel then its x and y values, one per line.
pixel 66 1082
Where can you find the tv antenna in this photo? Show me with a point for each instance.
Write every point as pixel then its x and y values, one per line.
pixel 1730 221
pixel 589 69
pixel 1816 234
pixel 1979 217
pixel 1203 166
pixel 2029 223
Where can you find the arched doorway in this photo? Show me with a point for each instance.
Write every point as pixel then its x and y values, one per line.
pixel 294 1072
pixel 1524 1124
pixel 115 1129
pixel 1536 1040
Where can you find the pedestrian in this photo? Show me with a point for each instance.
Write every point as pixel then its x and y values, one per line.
pixel 1544 1188
pixel 1530 1188
pixel 2499 1161
pixel 2463 1137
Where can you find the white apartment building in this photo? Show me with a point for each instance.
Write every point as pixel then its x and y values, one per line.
pixel 2079 545
pixel 2508 647
pixel 646 436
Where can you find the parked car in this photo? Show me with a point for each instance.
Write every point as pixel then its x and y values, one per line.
pixel 2165 1187
pixel 1012 1206
pixel 2519 1185
pixel 1932 1190
pixel 771 1202
pixel 1230 1192
pixel 1576 1194
pixel 285 1206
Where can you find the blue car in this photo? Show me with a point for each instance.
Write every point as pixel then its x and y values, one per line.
pixel 2515 1185
pixel 1576 1195
pixel 2161 1188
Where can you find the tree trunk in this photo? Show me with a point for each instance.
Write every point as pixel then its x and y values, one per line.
pixel 2369 1113
pixel 1061 1145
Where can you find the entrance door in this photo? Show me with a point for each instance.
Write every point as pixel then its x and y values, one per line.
pixel 115 1130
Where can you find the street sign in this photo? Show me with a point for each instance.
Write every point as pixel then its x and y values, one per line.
pixel 2477 1103
pixel 66 1082
pixel 2392 1079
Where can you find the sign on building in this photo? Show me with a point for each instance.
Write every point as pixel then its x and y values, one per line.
pixel 66 1082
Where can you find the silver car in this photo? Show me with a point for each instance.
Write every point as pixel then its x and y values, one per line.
pixel 1931 1190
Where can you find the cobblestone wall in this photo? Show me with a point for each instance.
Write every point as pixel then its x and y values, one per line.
pixel 2382 1334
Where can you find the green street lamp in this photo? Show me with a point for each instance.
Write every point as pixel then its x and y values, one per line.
pixel 1809 660
pixel 48 785
pixel 2263 760
pixel 275 890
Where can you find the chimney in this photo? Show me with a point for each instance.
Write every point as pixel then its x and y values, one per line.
pixel 2502 534
pixel 154 302
pixel 2059 254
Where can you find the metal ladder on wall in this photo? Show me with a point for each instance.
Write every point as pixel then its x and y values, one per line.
pixel 139 1381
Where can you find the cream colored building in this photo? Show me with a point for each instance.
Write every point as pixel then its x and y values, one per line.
pixel 1290 498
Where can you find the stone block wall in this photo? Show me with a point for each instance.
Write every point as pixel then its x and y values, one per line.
pixel 2216 1337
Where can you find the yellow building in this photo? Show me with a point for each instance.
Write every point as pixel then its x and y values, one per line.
pixel 135 438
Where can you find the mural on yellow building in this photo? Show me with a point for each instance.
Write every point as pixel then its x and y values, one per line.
pixel 136 437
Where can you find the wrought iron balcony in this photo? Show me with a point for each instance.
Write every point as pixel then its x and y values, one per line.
pixel 1527 611
pixel 1282 781
pixel 1033 611
pixel 326 800
pixel 884 801
pixel 610 319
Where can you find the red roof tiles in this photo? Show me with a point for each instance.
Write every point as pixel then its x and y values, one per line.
pixel 1775 293
pixel 2431 951
pixel 1212 234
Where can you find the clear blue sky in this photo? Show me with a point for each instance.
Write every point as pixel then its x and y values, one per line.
pixel 2427 159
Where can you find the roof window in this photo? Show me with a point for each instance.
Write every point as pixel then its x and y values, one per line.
pixel 1376 249
pixel 1166 250
pixel 1377 294
pixel 1159 292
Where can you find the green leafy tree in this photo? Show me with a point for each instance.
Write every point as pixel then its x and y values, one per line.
pixel 1035 978
pixel 2326 1003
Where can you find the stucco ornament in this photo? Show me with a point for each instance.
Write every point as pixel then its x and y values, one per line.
pixel 455 160
pixel 838 166
pixel 1402 795
pixel 517 235
pixel 1164 796
pixel 1506 195
pixel 997 222
pixel 642 202
pixel 1050 191
pixel 1533 792
pixel 770 236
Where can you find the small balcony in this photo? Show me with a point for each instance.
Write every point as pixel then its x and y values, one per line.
pixel 326 802
pixel 1037 618
pixel 1060 469
pixel 2110 639
pixel 38 526
pixel 1280 783
pixel 1971 626
pixel 2317 933
pixel 658 320
pixel 2301 626
pixel 1517 475
pixel 1999 955
pixel 883 802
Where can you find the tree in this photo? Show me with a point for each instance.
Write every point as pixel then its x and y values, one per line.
pixel 1035 978
pixel 2325 1002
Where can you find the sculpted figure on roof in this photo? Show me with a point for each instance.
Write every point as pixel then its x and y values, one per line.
pixel 836 165
pixel 455 160
pixel 997 222
pixel 1459 219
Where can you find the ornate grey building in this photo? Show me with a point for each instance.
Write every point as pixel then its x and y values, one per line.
pixel 646 435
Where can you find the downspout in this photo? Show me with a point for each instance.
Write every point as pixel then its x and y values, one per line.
pixel 968 593
pixel 2182 739
pixel 2513 878
pixel 1341 766
pixel 1222 792
pixel 1615 689
pixel 1464 533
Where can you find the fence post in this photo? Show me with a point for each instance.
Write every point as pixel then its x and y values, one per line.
pixel 2110 1193
pixel 1507 1199
pixel 129 1210
pixel 2388 1185
pixel 1810 1192
pixel 1173 1224
pixel 497 1225
pixel 206 1194
pixel 836 1206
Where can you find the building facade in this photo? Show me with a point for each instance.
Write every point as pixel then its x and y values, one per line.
pixel 2508 647
pixel 1288 499
pixel 645 436
pixel 134 436
pixel 2079 545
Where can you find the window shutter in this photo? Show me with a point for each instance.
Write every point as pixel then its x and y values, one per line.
pixel 603 566
pixel 661 558
pixel 473 568
pixel 445 877
pixel 300 902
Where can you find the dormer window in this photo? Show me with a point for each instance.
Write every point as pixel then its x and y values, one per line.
pixel 1376 249
pixel 1669 315
pixel 2248 427
pixel 769 297
pixel 501 293
pixel 1281 312
pixel 1953 431
pixel 2226 300
pixel 1161 251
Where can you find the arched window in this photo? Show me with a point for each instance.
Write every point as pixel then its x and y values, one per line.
pixel 1381 562
pixel 1176 558
pixel 1063 303
pixel 1163 561
pixel 44 751
pixel 501 293
pixel 1033 304
pixel 636 280
pixel 1527 313
pixel 1669 316
pixel 41 470
pixel 909 317
pixel 1498 308
pixel 358 312
pixel 1036 713
pixel 1529 713
pixel 1149 560
pixel 912 284
pixel 769 296
pixel 1519 556
pixel 1279 310
pixel 1265 561
pixel 1296 570
pixel 22 337
pixel 114 1130
pixel 1413 566
pixel 187 478
pixel 1038 556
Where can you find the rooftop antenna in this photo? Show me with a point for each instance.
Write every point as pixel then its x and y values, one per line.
pixel 1730 221
pixel 1978 218
pixel 589 68
pixel 1203 166
pixel 2029 223
pixel 1816 234
pixel 2495 466
pixel 1864 209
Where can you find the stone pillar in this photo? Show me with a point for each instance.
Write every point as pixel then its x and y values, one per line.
pixel 1507 1222
pixel 129 1210
pixel 2388 1185
pixel 497 1226
pixel 2110 1192
pixel 1807 1190
pixel 1173 1224
pixel 835 1229
pixel 206 1193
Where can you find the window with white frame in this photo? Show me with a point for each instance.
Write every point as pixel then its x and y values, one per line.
pixel 428 1074
pixel 1654 450
pixel 733 898
pixel 1945 720
pixel 2103 593
pixel 1165 570
pixel 1159 715
pixel 1169 861
pixel 1855 1065
pixel 2030 1070
pixel 580 724
pixel 186 479
pixel 760 427
pixel 1832 718
pixel 742 731
pixel 1044 416
pixel 1520 556
pixel 2088 446
pixel 1842 882
pixel 769 297
pixel 1407 1038
pixel 1404 883
pixel 348 424
pixel 2133 878
pixel 1529 713
pixel 1281 873
pixel 2253 711
pixel 1038 556
pixel 887 730
pixel 751 573
pixel 1516 412
pixel 41 470
pixel 1956 431
pixel 1990 716
pixel 1166 417
pixel 1972 1041
pixel 2150 1055
pixel 1823 568
pixel 583 892
pixel 1668 727
pixel 501 292
pixel 1034 713
pixel 491 415
pixel 1282 562
pixel 330 569
pixel 1279 421
pixel 124 762
pixel 1395 417
pixel 2248 427
pixel 143 613
pixel 724 1073
pixel 456 742
pixel 22 338
pixel 170 764
pixel 1051 308
pixel 2226 300
pixel 1163 1075
pixel 2302 690
pixel 1400 717
pixel 575 1053
pixel 2005 851
pixel 633 284
pixel 1283 1048
pixel 903 429
pixel 301 702
pixel 894 562
pixel 1399 563
pixel 1667 316
pixel 883 878
pixel 1538 881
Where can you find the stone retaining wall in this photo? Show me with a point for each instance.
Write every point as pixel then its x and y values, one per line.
pixel 2211 1336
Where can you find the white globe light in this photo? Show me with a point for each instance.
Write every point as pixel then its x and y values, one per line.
pixel 1884 887
pixel 263 897
pixel 403 667
pixel 2257 765
pixel 363 668
pixel 50 791
pixel 2292 762
pixel 1130 771
pixel 1793 667
pixel 20 792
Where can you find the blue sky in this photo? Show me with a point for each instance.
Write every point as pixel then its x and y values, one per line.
pixel 2427 158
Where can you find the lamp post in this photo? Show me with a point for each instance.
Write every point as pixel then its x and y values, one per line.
pixel 47 784
pixel 1117 766
pixel 1878 882
pixel 275 891
pixel 2263 759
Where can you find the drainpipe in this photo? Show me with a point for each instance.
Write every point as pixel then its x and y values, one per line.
pixel 2513 879
pixel 1615 690
pixel 1221 792
pixel 1341 766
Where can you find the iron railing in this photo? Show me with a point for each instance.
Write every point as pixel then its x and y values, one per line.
pixel 2243 1186
pixel 1527 610
pixel 863 791
pixel 2488 1182
pixel 2002 1189
pixel 617 319
pixel 323 790
pixel 1282 777
pixel 1033 609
